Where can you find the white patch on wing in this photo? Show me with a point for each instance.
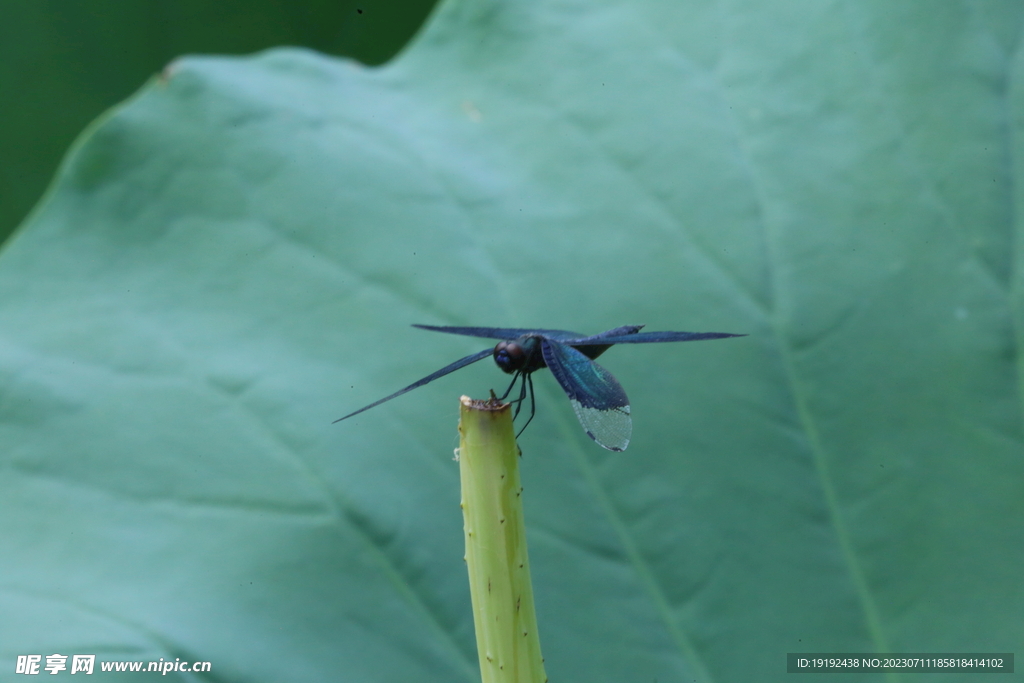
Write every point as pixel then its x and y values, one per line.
pixel 609 428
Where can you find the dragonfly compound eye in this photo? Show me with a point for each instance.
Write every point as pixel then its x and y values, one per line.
pixel 509 356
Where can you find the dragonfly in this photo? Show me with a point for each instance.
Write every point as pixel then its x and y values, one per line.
pixel 599 401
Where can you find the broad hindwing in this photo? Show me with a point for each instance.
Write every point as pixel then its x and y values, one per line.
pixel 599 400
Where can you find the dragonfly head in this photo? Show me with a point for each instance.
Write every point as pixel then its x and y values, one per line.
pixel 519 355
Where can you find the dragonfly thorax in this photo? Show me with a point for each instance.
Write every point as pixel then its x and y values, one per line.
pixel 519 355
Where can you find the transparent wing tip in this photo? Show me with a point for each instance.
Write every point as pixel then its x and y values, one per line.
pixel 610 428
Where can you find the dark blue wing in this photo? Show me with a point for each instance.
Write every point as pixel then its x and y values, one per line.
pixel 599 400
pixel 601 336
pixel 461 363
pixel 652 337
pixel 500 332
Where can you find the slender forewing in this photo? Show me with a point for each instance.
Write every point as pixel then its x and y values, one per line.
pixel 461 363
pixel 654 337
pixel 500 332
pixel 598 338
pixel 599 400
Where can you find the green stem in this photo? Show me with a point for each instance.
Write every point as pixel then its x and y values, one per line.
pixel 499 570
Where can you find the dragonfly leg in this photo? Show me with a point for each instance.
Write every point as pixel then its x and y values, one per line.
pixel 533 403
pixel 522 396
pixel 515 378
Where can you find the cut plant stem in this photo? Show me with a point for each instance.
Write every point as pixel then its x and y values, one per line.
pixel 499 570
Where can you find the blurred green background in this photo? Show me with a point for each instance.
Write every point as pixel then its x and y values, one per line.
pixel 63 63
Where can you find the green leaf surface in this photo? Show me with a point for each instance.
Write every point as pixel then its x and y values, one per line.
pixel 231 260
pixel 62 63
